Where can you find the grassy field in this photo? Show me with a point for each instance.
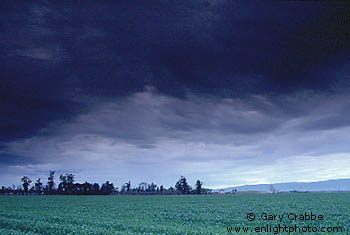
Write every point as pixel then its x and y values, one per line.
pixel 192 214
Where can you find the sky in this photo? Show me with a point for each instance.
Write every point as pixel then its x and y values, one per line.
pixel 230 92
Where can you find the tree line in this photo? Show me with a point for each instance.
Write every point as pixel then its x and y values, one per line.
pixel 68 186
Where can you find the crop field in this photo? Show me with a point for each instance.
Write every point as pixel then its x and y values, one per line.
pixel 190 214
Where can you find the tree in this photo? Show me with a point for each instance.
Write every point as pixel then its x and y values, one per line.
pixel 32 190
pixel 199 187
pixel 142 187
pixel 67 184
pixel 70 183
pixel 95 188
pixel 183 186
pixel 127 185
pixel 3 190
pixel 107 188
pixel 62 187
pixel 19 190
pixel 38 186
pixel 86 188
pixel 26 183
pixel 171 189
pixel 152 187
pixel 50 182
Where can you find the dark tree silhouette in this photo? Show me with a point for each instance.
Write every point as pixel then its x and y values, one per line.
pixel 62 187
pixel 38 186
pixel 171 189
pixel 107 188
pixel 26 183
pixel 142 187
pixel 32 190
pixel 86 188
pixel 199 187
pixel 50 183
pixel 182 186
pixel 95 188
pixel 70 183
pixel 82 189
pixel 152 187
pixel 67 184
pixel 128 185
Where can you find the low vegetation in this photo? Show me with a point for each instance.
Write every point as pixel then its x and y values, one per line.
pixel 172 214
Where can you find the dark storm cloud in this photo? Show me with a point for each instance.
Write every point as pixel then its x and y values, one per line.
pixel 53 55
pixel 11 159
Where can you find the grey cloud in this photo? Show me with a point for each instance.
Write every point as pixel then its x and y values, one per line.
pixel 199 137
pixel 328 122
pixel 327 113
pixel 146 116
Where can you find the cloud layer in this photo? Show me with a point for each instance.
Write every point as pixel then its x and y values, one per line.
pixel 148 136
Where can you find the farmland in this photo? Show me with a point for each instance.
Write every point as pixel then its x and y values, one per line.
pixel 185 214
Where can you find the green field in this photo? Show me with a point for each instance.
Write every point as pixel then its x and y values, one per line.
pixel 191 214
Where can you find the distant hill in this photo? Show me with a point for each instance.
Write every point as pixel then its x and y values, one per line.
pixel 328 185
